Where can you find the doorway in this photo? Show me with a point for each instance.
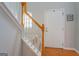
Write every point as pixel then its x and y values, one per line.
pixel 55 28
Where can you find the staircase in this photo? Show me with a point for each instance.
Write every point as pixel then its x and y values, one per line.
pixel 36 41
pixel 32 34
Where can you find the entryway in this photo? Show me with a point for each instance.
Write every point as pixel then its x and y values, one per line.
pixel 55 28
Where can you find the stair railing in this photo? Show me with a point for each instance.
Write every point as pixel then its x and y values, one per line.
pixel 41 26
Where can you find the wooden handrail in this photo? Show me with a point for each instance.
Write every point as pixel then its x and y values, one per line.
pixel 42 28
pixel 34 21
pixel 24 10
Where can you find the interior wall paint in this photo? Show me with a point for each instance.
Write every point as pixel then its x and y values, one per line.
pixel 8 35
pixel 26 50
pixel 15 9
pixel 38 8
pixel 77 25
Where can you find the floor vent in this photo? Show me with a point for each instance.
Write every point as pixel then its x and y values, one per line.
pixel 3 54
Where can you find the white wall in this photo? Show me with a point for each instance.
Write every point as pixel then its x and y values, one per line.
pixel 15 8
pixel 26 50
pixel 9 35
pixel 77 25
pixel 8 30
pixel 38 9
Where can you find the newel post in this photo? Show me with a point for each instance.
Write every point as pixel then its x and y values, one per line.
pixel 43 47
pixel 23 10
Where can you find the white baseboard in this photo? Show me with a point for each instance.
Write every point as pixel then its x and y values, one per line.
pixel 72 49
pixel 76 50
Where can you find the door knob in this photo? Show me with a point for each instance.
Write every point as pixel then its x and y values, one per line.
pixel 46 29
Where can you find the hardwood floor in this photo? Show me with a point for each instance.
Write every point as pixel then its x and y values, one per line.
pixel 59 52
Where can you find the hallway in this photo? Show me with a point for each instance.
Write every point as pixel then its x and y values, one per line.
pixel 60 52
pixel 58 21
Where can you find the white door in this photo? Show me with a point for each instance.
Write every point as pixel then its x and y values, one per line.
pixel 55 28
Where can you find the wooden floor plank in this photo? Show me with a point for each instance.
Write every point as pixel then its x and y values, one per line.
pixel 59 52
